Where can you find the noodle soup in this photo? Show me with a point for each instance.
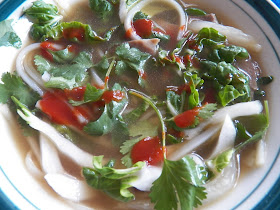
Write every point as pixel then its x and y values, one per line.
pixel 116 98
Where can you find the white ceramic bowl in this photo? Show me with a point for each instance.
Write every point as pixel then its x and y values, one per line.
pixel 258 189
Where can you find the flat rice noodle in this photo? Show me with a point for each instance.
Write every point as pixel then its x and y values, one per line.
pixel 226 138
pixel 66 147
pixel 32 166
pixel 178 151
pixel 234 36
pixel 145 177
pixel 69 187
pixel 50 160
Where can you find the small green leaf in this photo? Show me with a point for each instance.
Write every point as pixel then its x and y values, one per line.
pixel 7 35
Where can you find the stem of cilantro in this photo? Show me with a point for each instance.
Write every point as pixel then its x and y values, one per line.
pixel 108 73
pixel 151 103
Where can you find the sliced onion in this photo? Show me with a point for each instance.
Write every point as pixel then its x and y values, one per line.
pixel 66 147
pixel 260 153
pixel 226 138
pixel 178 151
pixel 145 177
pixel 234 36
pixel 129 18
pixel 69 187
pixel 32 166
pixel 50 160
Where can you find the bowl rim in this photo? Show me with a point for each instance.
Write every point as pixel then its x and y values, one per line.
pixel 268 9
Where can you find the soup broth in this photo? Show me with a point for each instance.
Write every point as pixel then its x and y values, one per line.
pixel 161 99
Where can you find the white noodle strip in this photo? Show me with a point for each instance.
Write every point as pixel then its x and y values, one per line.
pixel 21 71
pixel 224 182
pixel 145 177
pixel 177 151
pixel 31 165
pixel 50 160
pixel 66 147
pixel 236 110
pixel 33 73
pixel 234 36
pixel 260 153
pixel 69 187
pixel 124 8
pixel 96 80
pixel 226 138
pixel 129 18
pixel 34 145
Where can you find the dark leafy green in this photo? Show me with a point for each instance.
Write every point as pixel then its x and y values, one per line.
pixel 44 16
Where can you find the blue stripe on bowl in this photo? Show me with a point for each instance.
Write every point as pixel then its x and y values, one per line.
pixel 272 199
pixel 7 7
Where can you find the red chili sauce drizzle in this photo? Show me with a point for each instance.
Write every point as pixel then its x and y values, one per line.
pixel 149 150
pixel 186 118
pixel 71 33
pixel 112 95
pixel 55 105
pixel 143 27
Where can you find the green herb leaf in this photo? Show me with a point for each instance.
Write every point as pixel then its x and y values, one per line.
pixel 195 12
pixel 13 85
pixel 134 59
pixel 207 111
pixel 44 16
pixel 139 131
pixel 103 8
pixel 179 184
pixel 210 33
pixel 110 117
pixel 7 35
pixel 229 53
pixel 65 76
pixel 92 94
pixel 114 182
pixel 86 34
pixel 194 82
pixel 136 113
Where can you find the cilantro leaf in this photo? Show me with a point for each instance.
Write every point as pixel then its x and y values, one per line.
pixel 138 131
pixel 114 182
pixel 136 113
pixel 7 35
pixel 92 94
pixel 110 117
pixel 207 111
pixel 179 184
pixel 44 16
pixel 67 75
pixel 13 85
pixel 103 8
pixel 133 59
